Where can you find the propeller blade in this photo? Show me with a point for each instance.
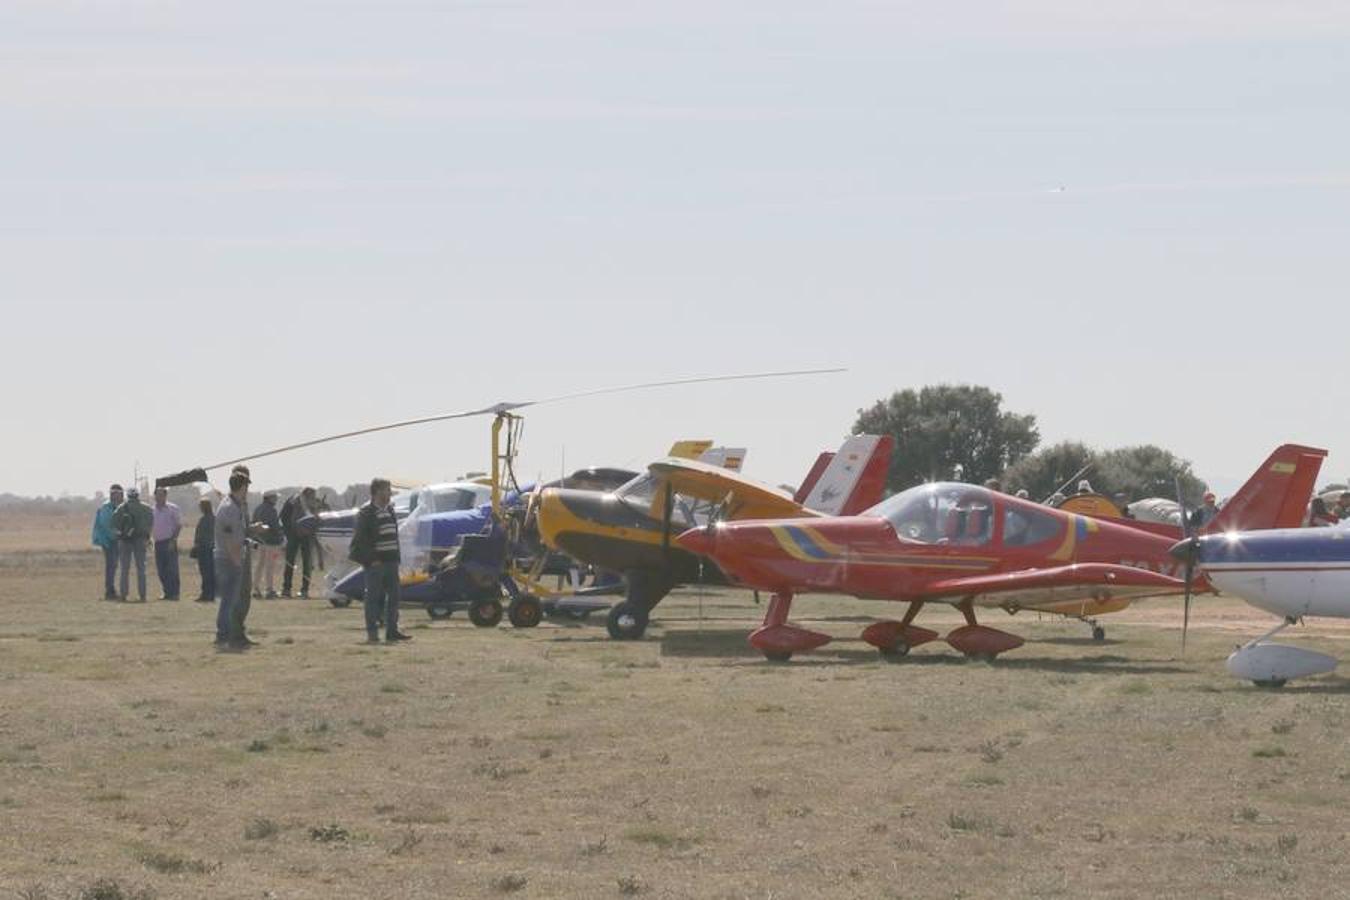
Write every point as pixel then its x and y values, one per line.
pixel 666 513
pixel 1186 550
pixel 1186 605
pixel 499 408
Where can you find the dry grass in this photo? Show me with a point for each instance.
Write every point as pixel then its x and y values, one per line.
pixel 680 766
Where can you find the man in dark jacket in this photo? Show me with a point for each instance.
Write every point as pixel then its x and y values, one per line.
pixel 374 547
pixel 295 510
pixel 267 526
pixel 204 549
pixel 133 522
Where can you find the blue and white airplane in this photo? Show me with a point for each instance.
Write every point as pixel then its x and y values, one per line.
pixel 1291 573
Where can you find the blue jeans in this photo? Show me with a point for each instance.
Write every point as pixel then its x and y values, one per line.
pixel 166 567
pixel 129 549
pixel 110 571
pixel 229 582
pixel 381 599
pixel 206 567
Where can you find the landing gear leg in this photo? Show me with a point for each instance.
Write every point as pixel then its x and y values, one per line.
pixel 778 640
pixel 627 621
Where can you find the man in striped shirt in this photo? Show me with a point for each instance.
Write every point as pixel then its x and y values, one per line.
pixel 375 547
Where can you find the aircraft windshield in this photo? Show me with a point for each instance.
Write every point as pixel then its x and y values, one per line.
pixel 959 514
pixel 455 499
pixel 641 492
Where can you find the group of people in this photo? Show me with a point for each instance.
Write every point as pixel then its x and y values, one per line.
pixel 123 529
pixel 237 551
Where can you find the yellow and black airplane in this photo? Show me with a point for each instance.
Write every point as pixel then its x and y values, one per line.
pixel 631 530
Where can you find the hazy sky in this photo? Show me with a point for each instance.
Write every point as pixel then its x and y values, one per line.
pixel 234 225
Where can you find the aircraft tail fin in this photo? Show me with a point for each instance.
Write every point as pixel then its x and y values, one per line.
pixel 853 479
pixel 689 449
pixel 813 476
pixel 730 458
pixel 1276 496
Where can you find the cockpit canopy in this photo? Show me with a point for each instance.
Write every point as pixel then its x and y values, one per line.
pixel 943 512
pixel 646 494
pixel 964 515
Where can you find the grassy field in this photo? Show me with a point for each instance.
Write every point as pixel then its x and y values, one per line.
pixel 137 761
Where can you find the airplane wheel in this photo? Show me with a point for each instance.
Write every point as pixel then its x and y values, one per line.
pixel 626 622
pixel 1273 684
pixel 340 601
pixel 894 653
pixel 1098 633
pixel 525 611
pixel 439 610
pixel 778 656
pixel 486 613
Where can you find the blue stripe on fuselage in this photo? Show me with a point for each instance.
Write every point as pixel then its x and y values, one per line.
pixel 1287 545
pixel 808 546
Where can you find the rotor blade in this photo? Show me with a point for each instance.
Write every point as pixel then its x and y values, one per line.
pixel 499 408
pixel 490 410
pixel 700 379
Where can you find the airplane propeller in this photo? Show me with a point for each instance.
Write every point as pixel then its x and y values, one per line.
pixel 666 513
pixel 190 476
pixel 1187 551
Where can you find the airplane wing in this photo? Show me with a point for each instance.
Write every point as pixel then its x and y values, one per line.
pixel 1058 589
pixel 745 499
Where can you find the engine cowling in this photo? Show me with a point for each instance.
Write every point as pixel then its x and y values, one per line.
pixel 1274 664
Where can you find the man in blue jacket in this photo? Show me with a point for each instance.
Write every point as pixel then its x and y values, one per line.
pixel 105 538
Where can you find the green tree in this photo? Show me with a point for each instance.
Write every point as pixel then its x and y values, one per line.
pixel 948 431
pixel 1045 471
pixel 1146 471
pixel 1136 472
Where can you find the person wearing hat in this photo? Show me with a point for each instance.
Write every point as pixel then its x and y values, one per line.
pixel 105 538
pixel 231 551
pixel 133 523
pixel 1341 508
pixel 1206 512
pixel 267 529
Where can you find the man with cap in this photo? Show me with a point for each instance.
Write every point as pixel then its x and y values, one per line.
pixel 133 523
pixel 267 528
pixel 1205 513
pixel 230 553
pixel 167 523
pixel 105 538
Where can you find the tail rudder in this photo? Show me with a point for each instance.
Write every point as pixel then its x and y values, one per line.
pixel 813 475
pixel 1276 496
pixel 854 479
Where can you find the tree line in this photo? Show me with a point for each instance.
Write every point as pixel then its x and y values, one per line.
pixel 957 432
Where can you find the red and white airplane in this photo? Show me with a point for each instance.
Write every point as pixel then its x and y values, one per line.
pixel 967 546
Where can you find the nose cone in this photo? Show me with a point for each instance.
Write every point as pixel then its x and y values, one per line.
pixel 549 516
pixel 698 540
pixel 1186 551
